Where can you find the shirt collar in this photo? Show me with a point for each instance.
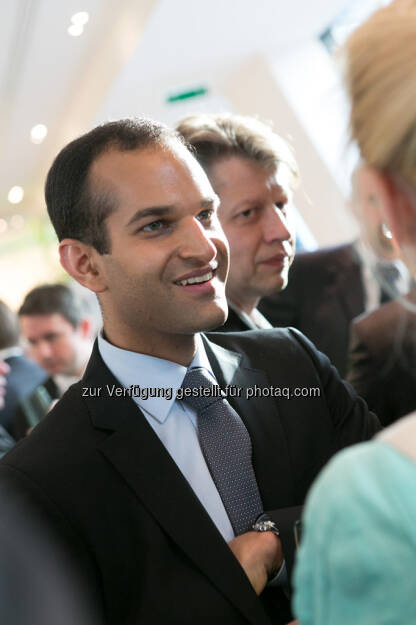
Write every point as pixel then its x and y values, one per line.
pixel 145 372
pixel 256 321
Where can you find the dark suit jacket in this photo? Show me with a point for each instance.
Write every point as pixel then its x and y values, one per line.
pixel 382 360
pixel 96 467
pixel 325 292
pixel 23 378
pixel 31 561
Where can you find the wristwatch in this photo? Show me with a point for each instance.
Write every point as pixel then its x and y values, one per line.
pixel 264 523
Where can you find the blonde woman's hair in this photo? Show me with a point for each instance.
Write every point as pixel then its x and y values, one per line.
pixel 213 137
pixel 381 79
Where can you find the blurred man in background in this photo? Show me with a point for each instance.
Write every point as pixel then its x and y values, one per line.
pixel 328 288
pixel 253 172
pixel 4 370
pixel 24 375
pixel 382 355
pixel 6 441
pixel 58 334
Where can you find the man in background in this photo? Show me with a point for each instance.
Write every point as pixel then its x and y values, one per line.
pixel 58 336
pixel 24 375
pixel 328 288
pixel 253 171
pixel 382 355
pixel 6 441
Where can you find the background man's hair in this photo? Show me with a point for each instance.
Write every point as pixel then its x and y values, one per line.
pixel 219 136
pixel 50 299
pixel 9 327
pixel 78 210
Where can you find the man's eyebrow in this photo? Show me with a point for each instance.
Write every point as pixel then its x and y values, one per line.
pixel 162 211
pixel 208 202
pixel 248 202
pixel 151 211
pixel 257 200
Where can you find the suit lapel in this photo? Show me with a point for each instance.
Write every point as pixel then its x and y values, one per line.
pixel 133 449
pixel 261 418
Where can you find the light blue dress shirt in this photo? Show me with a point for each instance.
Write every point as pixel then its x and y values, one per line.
pixel 172 420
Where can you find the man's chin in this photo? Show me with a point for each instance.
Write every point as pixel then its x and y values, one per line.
pixel 275 286
pixel 214 320
pixel 55 371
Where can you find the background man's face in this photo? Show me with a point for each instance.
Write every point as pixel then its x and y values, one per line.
pixel 259 225
pixel 53 342
pixel 168 263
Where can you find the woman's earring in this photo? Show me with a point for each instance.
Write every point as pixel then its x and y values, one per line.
pixel 385 232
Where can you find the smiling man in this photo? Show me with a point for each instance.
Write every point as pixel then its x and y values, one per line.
pixel 172 507
pixel 253 171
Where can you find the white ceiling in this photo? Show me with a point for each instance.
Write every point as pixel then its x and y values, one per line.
pixel 132 53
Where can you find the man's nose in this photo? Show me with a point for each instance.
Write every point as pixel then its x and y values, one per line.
pixel 275 225
pixel 196 242
pixel 41 351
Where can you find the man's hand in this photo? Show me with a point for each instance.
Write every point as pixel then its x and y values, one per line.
pixel 259 554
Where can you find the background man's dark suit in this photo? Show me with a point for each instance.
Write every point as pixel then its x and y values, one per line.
pixel 325 292
pixel 153 554
pixel 34 407
pixel 234 323
pixel 382 366
pixel 23 378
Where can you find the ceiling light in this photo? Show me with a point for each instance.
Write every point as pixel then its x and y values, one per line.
pixel 17 222
pixel 3 226
pixel 15 195
pixel 80 19
pixel 75 30
pixel 38 133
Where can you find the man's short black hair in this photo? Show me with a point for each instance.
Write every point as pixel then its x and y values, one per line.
pixel 9 327
pixel 51 299
pixel 76 209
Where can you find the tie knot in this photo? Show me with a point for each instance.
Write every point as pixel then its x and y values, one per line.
pixel 199 389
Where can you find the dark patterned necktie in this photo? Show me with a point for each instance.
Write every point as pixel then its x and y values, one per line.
pixel 226 446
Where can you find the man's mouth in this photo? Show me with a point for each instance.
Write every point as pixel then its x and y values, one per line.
pixel 198 276
pixel 276 260
pixel 197 279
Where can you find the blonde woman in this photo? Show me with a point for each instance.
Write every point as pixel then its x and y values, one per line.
pixel 357 561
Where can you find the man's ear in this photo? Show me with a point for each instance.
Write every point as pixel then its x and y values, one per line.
pixel 82 262
pixel 394 202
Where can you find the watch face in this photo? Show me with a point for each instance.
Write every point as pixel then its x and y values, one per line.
pixel 266 526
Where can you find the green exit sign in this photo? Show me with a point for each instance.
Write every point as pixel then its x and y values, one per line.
pixel 186 95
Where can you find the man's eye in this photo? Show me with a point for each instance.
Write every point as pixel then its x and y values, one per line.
pixel 282 206
pixel 154 226
pixel 206 215
pixel 50 338
pixel 249 212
